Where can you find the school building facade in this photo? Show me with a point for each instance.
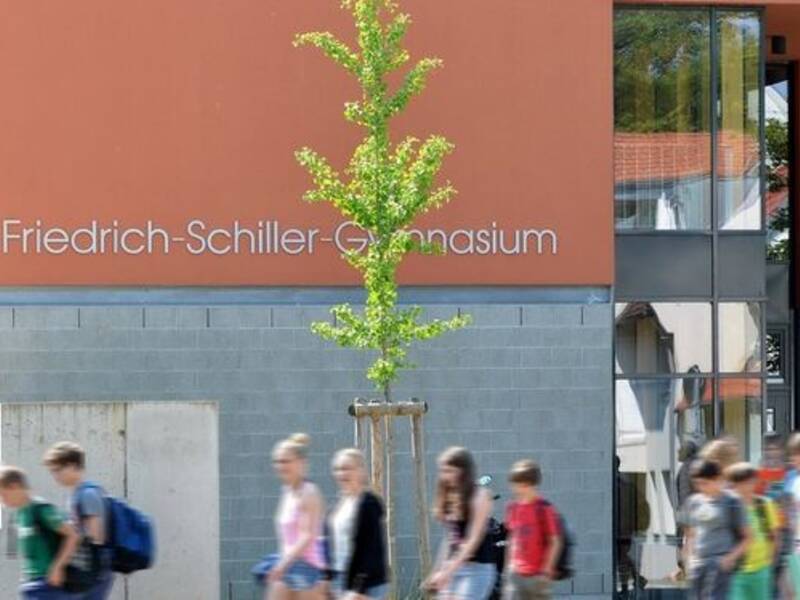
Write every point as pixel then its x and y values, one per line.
pixel 623 239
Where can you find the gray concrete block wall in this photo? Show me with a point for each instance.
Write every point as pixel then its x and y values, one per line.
pixel 521 381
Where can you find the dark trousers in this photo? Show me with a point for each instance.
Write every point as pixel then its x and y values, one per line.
pixel 710 582
pixel 100 590
pixel 39 589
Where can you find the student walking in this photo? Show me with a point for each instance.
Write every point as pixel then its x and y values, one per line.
pixel 772 485
pixel 297 571
pixel 46 539
pixel 88 510
pixel 357 548
pixel 717 533
pixel 535 538
pixel 465 569
pixel 792 489
pixel 753 580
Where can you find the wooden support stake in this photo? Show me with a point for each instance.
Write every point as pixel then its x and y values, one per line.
pixel 421 481
pixel 361 436
pixel 391 517
pixel 378 452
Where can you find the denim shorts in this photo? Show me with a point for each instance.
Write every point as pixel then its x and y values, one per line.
pixel 300 576
pixel 377 592
pixel 473 581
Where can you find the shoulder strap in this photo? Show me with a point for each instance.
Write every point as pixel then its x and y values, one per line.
pixel 763 519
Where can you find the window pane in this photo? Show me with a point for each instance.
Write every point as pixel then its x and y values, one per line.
pixel 776 358
pixel 739 152
pixel 660 424
pixel 663 337
pixel 740 405
pixel 740 337
pixel 778 164
pixel 662 93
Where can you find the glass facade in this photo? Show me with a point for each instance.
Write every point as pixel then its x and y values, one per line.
pixel 777 141
pixel 663 337
pixel 662 116
pixel 670 153
pixel 738 137
pixel 688 157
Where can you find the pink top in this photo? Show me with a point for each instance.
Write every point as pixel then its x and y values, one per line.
pixel 288 526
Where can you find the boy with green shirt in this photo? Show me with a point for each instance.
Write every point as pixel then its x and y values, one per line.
pixel 44 562
pixel 753 581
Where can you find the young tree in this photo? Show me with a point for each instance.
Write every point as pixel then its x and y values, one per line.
pixel 384 189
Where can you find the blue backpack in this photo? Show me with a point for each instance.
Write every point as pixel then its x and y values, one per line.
pixel 130 535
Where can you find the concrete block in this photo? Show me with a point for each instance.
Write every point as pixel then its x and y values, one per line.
pixel 229 339
pixel 588 584
pixel 551 315
pixel 597 315
pixel 493 315
pixel 46 317
pixel 240 317
pixel 6 317
pixel 300 316
pixel 176 317
pixel 597 357
pixel 111 317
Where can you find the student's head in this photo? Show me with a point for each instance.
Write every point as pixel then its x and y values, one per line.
pixel 793 449
pixel 456 479
pixel 290 458
pixel 774 454
pixel 14 489
pixel 66 462
pixel 349 470
pixel 707 477
pixel 524 477
pixel 744 478
pixel 724 451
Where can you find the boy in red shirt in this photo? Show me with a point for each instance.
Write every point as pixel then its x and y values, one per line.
pixel 534 537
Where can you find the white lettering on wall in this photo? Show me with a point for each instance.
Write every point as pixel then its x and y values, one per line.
pixel 263 237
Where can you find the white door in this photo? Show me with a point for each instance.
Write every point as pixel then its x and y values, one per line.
pixel 162 456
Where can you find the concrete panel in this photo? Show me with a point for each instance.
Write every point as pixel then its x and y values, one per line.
pixel 173 475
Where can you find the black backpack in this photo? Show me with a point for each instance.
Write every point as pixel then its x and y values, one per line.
pixel 564 566
pixel 80 576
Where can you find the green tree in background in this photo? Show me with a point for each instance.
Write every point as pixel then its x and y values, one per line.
pixel 383 190
pixel 777 142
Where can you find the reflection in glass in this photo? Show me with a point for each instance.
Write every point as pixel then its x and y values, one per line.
pixel 739 151
pixel 775 357
pixel 740 406
pixel 778 168
pixel 662 93
pixel 660 425
pixel 663 337
pixel 739 337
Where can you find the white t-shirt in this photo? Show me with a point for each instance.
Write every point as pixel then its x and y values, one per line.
pixel 795 491
pixel 342 524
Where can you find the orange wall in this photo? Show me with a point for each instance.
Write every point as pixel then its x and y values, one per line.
pixel 149 110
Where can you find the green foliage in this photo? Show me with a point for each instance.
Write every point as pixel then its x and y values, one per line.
pixel 384 188
pixel 777 139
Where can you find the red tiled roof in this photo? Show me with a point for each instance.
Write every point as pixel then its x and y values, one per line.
pixel 670 156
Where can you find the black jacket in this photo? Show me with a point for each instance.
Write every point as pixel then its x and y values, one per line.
pixel 367 568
